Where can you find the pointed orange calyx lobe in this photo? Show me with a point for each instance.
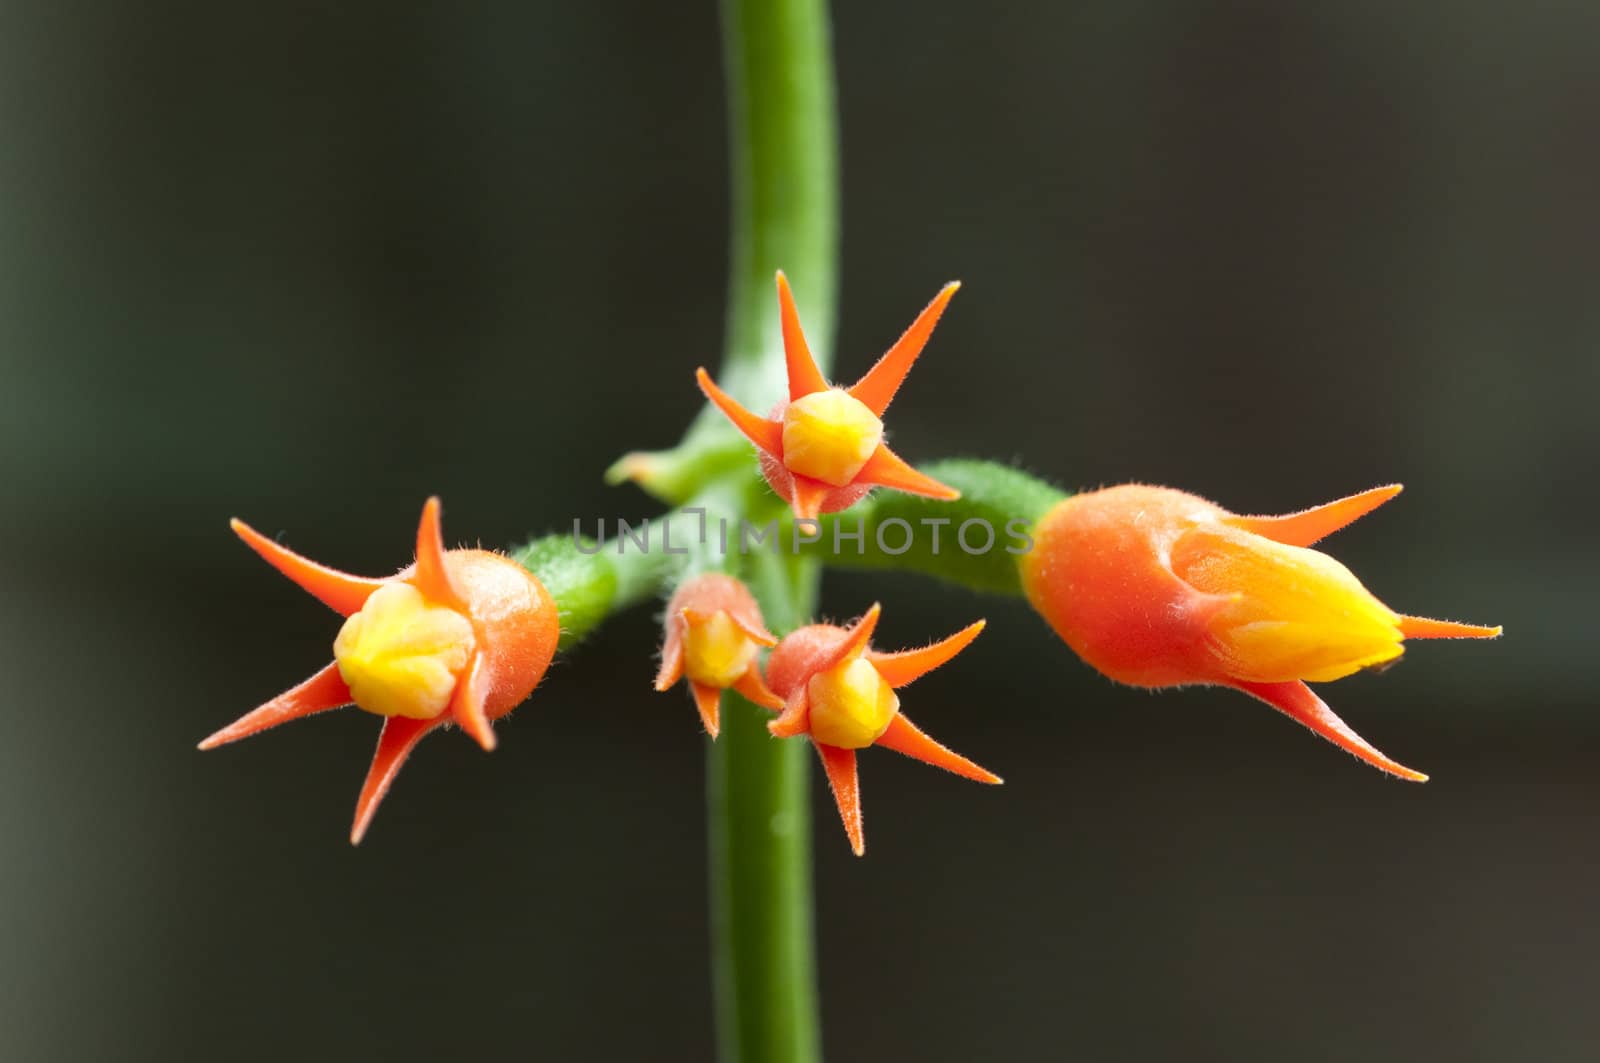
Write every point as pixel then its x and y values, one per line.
pixel 885 468
pixel 1309 526
pixel 877 389
pixel 839 765
pixel 764 432
pixel 1299 703
pixel 822 448
pixel 1420 627
pixel 431 575
pixel 804 376
pixel 460 636
pixel 398 738
pixel 339 591
pixel 1155 587
pixel 905 738
pixel 323 691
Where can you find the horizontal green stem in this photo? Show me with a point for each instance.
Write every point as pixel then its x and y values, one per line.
pixel 734 521
pixel 975 541
pixel 584 585
pixel 591 578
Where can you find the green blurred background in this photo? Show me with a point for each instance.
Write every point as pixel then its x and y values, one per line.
pixel 306 264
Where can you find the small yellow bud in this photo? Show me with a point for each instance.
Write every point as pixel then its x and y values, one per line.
pixel 716 651
pixel 1295 613
pixel 851 704
pixel 401 654
pixel 829 435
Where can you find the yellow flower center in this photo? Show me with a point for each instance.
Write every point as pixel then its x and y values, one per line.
pixel 851 704
pixel 401 654
pixel 1296 613
pixel 716 651
pixel 828 436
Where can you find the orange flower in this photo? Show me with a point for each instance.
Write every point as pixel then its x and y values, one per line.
pixel 1158 588
pixel 460 636
pixel 822 449
pixel 840 691
pixel 714 632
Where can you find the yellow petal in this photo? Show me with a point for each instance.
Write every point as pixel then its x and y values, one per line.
pixel 716 651
pixel 401 654
pixel 828 436
pixel 1291 612
pixel 851 704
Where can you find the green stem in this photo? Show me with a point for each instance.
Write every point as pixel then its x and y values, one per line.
pixel 784 180
pixel 975 541
pixel 591 579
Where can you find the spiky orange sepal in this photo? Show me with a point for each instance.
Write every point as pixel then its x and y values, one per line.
pixel 839 691
pixel 713 633
pixel 822 448
pixel 460 636
pixel 1155 588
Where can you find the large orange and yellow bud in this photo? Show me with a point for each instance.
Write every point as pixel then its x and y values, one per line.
pixel 461 636
pixel 714 633
pixel 822 449
pixel 1155 587
pixel 840 692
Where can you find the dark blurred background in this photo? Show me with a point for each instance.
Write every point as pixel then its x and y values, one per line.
pixel 306 264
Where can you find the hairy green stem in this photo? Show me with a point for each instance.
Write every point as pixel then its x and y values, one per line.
pixel 975 541
pixel 591 577
pixel 732 524
pixel 782 141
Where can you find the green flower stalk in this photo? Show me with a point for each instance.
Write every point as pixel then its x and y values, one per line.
pixel 1152 587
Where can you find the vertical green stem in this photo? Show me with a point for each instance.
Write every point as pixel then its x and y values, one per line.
pixel 785 215
pixel 763 960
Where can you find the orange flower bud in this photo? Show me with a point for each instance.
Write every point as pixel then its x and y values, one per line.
pixel 822 449
pixel 714 632
pixel 1157 588
pixel 461 636
pixel 840 692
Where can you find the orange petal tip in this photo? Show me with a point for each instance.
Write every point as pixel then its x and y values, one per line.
pixel 1420 627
